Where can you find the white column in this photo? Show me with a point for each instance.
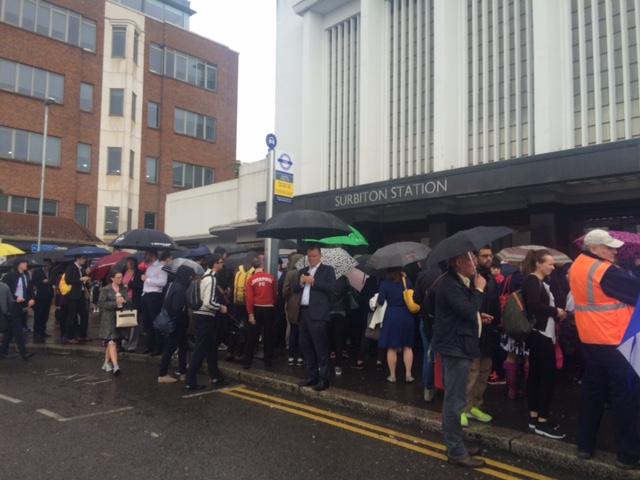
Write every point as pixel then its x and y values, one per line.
pixel 450 84
pixel 552 72
pixel 373 101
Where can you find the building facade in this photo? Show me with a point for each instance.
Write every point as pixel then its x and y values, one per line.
pixel 142 108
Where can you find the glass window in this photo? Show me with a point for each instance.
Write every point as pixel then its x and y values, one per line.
pixel 86 97
pixel 12 12
pixel 212 77
pixel 201 80
pixel 88 35
pixel 154 8
pixel 173 15
pixel 35 148
pixel 82 214
pixel 132 163
pixel 29 15
pixel 118 42
pixel 153 115
pixel 43 24
pixel 116 100
pixel 53 151
pixel 33 206
pixel 181 67
pixel 156 59
pixel 56 87
pixel 58 25
pixel 4 203
pixel 169 64
pixel 208 176
pixel 21 145
pixel 178 174
pixel 111 220
pixel 150 220
pixel 74 29
pixel 129 217
pixel 50 207
pixel 114 160
pixel 210 129
pixel 83 160
pixel 137 4
pixel 199 126
pixel 197 176
pixel 6 142
pixel 188 175
pixel 151 173
pixel 25 79
pixel 190 127
pixel 136 41
pixel 18 204
pixel 39 83
pixel 8 71
pixel 134 101
pixel 179 120
pixel 192 65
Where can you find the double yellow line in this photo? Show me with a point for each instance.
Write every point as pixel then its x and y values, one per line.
pixel 431 449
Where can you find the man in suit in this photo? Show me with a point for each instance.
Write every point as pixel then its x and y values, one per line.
pixel 19 285
pixel 75 276
pixel 316 283
pixel 43 298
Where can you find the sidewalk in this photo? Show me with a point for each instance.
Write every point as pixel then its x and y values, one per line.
pixel 368 392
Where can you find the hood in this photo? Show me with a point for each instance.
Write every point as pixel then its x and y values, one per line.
pixel 183 275
pixel 293 259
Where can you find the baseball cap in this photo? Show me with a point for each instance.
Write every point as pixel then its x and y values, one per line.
pixel 601 237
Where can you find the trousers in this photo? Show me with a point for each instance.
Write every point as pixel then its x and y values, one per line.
pixel 456 373
pixel 265 323
pixel 314 343
pixel 478 378
pixel 77 318
pixel 208 337
pixel 14 331
pixel 542 373
pixel 150 306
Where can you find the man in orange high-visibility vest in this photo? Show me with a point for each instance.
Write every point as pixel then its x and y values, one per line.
pixel 604 297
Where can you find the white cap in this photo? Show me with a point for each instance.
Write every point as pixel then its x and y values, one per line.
pixel 601 237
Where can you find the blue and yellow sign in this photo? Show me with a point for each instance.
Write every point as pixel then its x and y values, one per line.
pixel 283 187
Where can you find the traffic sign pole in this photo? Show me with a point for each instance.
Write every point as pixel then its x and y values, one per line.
pixel 270 247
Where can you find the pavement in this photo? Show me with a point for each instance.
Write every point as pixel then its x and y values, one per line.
pixel 366 392
pixel 63 418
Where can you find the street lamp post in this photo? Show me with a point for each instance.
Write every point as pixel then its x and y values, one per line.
pixel 47 102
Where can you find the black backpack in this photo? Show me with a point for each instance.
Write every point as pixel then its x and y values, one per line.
pixel 194 300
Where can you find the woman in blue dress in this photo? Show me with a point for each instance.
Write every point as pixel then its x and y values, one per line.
pixel 398 325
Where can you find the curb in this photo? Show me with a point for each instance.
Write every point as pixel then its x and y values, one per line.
pixel 525 445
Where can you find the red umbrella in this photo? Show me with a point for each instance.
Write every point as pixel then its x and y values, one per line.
pixel 105 264
pixel 629 251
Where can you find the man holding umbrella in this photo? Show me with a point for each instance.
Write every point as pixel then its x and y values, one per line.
pixel 155 279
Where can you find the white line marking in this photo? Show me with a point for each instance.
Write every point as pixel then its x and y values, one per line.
pixel 9 399
pixel 209 392
pixel 72 376
pixel 54 374
pixel 101 381
pixel 60 418
pixel 82 379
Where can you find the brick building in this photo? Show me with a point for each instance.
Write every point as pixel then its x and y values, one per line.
pixel 144 107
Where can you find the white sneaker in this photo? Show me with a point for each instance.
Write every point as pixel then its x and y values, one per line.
pixel 116 370
pixel 338 371
pixel 107 367
pixel 167 379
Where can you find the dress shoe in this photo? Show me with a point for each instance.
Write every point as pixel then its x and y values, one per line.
pixel 467 462
pixel 308 383
pixel 584 455
pixel 474 450
pixel 27 356
pixel 193 388
pixel 320 386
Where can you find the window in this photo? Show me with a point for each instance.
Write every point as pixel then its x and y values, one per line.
pixel 118 42
pixel 132 163
pixel 4 203
pixel 83 159
pixel 134 99
pixel 111 220
pixel 114 160
pixel 27 146
pixel 51 21
pixel 34 82
pixel 153 115
pixel 129 217
pixel 195 125
pixel 116 102
pixel 190 176
pixel 156 59
pixel 136 41
pixel 82 214
pixel 151 173
pixel 15 204
pixel 150 220
pixel 86 97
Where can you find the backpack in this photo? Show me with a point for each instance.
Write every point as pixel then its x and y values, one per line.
pixel 515 321
pixel 194 298
pixel 63 287
pixel 240 284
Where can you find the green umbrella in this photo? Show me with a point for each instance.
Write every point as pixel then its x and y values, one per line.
pixel 354 239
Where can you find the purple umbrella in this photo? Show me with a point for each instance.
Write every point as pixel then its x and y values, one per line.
pixel 629 251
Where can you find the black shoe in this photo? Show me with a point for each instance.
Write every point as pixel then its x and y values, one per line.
pixel 218 382
pixel 549 430
pixel 27 356
pixel 467 462
pixel 192 388
pixel 308 383
pixel 268 364
pixel 584 455
pixel 320 386
pixel 474 450
pixel 246 366
pixel 155 354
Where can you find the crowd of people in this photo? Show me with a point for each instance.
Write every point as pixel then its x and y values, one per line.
pixel 577 316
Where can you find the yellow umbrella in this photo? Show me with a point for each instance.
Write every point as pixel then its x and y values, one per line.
pixel 7 249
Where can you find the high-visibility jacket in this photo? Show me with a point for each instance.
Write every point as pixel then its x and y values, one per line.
pixel 600 319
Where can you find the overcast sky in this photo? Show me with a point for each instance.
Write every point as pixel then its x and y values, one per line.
pixel 249 28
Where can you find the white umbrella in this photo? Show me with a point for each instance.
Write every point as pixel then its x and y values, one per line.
pixel 338 258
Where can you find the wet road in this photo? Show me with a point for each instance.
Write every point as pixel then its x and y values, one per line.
pixel 63 418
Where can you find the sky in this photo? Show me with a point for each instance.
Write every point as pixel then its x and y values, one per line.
pixel 249 28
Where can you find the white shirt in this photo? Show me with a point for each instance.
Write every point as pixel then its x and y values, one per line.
pixel 306 291
pixel 20 286
pixel 154 278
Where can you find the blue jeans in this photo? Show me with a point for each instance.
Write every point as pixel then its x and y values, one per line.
pixel 428 361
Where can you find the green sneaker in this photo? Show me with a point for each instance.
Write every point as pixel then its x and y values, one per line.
pixel 464 420
pixel 479 415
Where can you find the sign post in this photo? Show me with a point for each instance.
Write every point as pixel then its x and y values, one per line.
pixel 270 247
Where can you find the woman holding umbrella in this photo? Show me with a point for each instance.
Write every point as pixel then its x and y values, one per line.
pixel 113 297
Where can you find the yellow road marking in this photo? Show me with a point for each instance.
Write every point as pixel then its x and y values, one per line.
pixel 240 393
pixel 387 431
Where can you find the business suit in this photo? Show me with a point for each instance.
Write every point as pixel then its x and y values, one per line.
pixel 314 318
pixel 43 297
pixel 17 312
pixel 76 303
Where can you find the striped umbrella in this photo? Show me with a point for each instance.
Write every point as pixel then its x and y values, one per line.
pixel 517 254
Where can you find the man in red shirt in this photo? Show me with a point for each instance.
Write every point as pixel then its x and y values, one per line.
pixel 261 294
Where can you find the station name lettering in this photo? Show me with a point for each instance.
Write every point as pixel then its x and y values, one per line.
pixel 411 191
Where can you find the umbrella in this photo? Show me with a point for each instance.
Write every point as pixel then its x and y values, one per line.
pixel 466 241
pixel 144 239
pixel 89 252
pixel 201 251
pixel 517 254
pixel 338 258
pixel 179 262
pixel 302 224
pixel 8 249
pixel 105 264
pixel 629 251
pixel 234 260
pixel 354 239
pixel 357 279
pixel 55 256
pixel 398 254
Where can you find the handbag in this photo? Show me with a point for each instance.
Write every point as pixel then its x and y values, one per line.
pixel 374 325
pixel 515 321
pixel 163 323
pixel 407 295
pixel 126 318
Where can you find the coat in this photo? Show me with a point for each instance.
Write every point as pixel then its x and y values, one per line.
pixel 108 307
pixel 11 279
pixel 292 299
pixel 455 332
pixel 72 277
pixel 319 298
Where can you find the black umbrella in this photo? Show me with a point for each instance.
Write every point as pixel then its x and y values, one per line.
pixel 55 256
pixel 144 239
pixel 399 254
pixel 466 241
pixel 234 260
pixel 302 224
